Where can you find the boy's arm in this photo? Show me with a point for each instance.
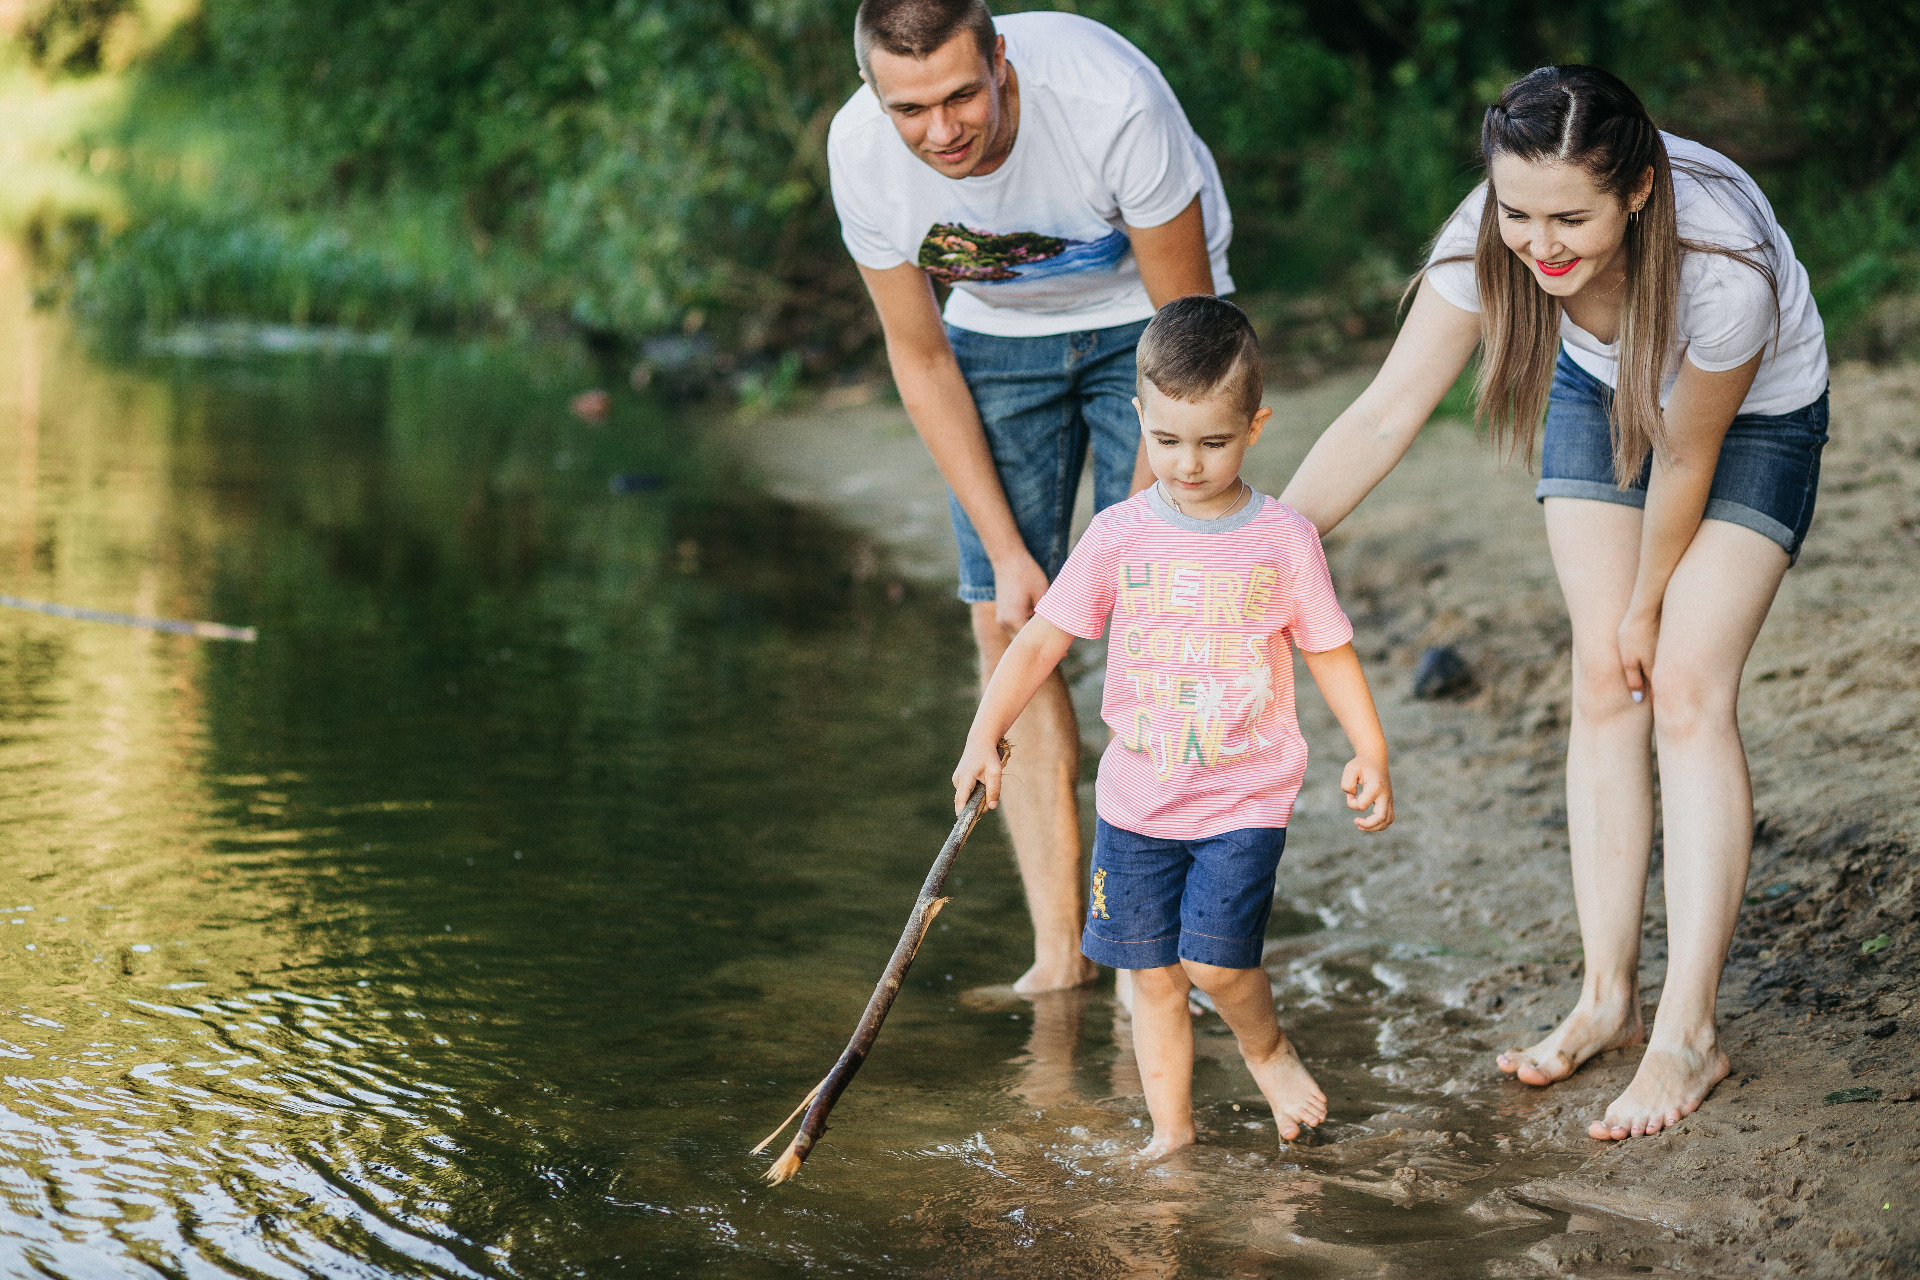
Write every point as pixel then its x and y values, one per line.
pixel 1029 660
pixel 1365 779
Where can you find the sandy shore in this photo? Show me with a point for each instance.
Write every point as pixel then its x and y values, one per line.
pixel 1804 1161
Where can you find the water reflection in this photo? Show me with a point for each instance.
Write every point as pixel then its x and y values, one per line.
pixel 537 859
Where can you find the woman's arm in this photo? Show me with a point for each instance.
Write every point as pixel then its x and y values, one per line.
pixel 1364 443
pixel 1702 408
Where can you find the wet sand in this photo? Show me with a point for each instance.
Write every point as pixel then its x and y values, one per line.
pixel 1803 1161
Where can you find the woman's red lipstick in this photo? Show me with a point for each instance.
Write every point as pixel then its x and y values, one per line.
pixel 1560 270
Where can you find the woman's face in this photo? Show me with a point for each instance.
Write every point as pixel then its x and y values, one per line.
pixel 1559 222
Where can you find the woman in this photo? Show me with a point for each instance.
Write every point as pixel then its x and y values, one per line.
pixel 1685 413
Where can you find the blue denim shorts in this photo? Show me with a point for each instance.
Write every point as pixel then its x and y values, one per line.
pixel 1768 472
pixel 1043 401
pixel 1156 902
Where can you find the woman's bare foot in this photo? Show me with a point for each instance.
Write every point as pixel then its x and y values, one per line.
pixel 1670 1083
pixel 1289 1089
pixel 1163 1145
pixel 1074 971
pixel 1586 1031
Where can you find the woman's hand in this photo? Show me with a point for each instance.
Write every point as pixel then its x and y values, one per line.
pixel 1639 637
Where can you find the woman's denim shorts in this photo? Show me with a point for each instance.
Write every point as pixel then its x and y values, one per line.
pixel 1768 472
pixel 1156 902
pixel 1043 401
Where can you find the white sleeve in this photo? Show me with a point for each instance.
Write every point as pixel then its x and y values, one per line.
pixel 1728 316
pixel 853 193
pixel 1150 167
pixel 1455 281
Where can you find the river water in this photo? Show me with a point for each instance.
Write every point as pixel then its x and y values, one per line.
pixel 539 857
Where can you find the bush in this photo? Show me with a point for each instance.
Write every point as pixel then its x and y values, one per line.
pixel 646 166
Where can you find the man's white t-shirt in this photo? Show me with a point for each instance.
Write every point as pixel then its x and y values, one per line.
pixel 1726 308
pixel 1038 246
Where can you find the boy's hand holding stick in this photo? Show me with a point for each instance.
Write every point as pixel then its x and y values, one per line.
pixel 819 1103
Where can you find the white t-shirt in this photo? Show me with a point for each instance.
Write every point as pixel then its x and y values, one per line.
pixel 1726 308
pixel 1039 245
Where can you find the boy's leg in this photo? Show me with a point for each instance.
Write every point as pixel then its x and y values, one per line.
pixel 1223 929
pixel 1163 1048
pixel 1244 998
pixel 1022 389
pixel 1133 923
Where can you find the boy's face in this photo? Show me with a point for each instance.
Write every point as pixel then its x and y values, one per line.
pixel 1195 447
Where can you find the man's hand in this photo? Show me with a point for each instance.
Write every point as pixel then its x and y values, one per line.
pixel 980 762
pixel 1017 586
pixel 1368 787
pixel 1639 638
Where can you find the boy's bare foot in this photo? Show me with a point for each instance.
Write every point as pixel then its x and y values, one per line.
pixel 1670 1083
pixel 1162 1146
pixel 1057 975
pixel 1586 1031
pixel 1289 1089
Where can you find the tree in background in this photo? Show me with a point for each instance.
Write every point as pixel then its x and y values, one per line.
pixel 642 167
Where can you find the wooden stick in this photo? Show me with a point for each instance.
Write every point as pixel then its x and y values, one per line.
pixel 204 630
pixel 925 908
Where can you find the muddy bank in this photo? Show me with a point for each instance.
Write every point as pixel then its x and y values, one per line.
pixel 1806 1161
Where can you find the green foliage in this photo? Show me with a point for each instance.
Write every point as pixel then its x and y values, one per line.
pixel 645 166
pixel 70 36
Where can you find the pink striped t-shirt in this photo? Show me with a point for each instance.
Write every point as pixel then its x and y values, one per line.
pixel 1199 677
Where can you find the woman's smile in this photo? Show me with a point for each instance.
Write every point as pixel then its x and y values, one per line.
pixel 1559 268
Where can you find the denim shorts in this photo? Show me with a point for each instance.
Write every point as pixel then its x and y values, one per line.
pixel 1768 472
pixel 1156 902
pixel 1043 401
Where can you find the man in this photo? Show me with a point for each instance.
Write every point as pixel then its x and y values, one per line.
pixel 1044 170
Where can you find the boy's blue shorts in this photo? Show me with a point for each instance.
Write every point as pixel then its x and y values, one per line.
pixel 1156 902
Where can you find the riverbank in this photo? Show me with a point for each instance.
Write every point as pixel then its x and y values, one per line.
pixel 1803 1162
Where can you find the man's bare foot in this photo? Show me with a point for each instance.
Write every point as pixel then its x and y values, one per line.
pixel 1585 1032
pixel 1670 1083
pixel 1162 1146
pixel 1289 1089
pixel 1057 976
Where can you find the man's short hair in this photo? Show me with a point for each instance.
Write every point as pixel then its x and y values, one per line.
pixel 915 28
pixel 1199 347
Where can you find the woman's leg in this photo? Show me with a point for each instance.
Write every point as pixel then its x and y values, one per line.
pixel 1163 1047
pixel 1596 553
pixel 1715 605
pixel 1244 998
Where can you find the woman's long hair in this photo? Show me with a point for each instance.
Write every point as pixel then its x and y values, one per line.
pixel 1587 117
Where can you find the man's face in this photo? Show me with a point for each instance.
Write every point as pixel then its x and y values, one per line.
pixel 947 106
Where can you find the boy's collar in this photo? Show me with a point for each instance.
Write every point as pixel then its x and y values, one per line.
pixel 1256 501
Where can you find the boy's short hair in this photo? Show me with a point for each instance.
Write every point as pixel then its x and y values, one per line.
pixel 915 28
pixel 1201 346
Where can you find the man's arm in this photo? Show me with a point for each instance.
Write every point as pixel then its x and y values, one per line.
pixel 1173 263
pixel 943 412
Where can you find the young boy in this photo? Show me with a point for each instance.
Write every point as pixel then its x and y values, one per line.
pixel 1205 580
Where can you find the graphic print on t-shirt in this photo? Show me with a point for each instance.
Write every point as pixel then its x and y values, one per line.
pixel 1219 625
pixel 952 251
